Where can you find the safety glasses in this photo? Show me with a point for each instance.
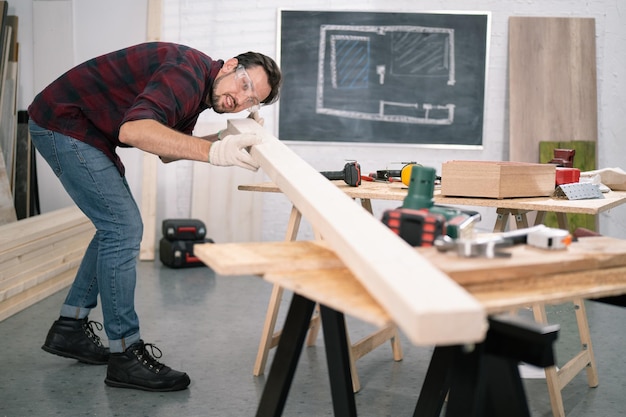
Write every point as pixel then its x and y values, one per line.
pixel 244 83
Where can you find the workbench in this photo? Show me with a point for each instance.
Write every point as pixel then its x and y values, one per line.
pixel 429 307
pixel 590 268
pixel 518 208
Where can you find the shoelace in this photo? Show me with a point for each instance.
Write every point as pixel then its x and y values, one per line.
pixel 148 358
pixel 88 326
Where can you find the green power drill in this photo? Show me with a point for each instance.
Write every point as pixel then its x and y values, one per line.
pixel 420 221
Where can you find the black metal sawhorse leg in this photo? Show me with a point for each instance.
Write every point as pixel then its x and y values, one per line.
pixel 338 360
pixel 483 380
pixel 288 352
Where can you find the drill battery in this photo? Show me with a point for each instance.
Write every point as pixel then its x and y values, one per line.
pixel 179 253
pixel 176 245
pixel 417 227
pixel 183 229
pixel 419 221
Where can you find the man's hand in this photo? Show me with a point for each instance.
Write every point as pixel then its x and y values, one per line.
pixel 232 151
pixel 256 117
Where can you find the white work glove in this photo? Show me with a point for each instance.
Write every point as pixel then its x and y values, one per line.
pixel 256 117
pixel 232 151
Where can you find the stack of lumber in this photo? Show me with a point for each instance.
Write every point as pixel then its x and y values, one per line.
pixel 39 256
pixel 7 210
pixel 8 112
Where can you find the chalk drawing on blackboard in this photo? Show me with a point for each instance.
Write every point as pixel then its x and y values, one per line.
pixel 345 57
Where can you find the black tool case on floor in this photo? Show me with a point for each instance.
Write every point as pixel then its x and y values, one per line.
pixel 176 245
pixel 183 229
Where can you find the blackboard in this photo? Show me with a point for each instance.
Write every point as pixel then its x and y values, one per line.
pixel 383 77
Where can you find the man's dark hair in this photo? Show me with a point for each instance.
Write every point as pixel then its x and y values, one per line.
pixel 274 76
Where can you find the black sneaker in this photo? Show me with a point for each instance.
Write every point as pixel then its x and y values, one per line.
pixel 76 339
pixel 137 368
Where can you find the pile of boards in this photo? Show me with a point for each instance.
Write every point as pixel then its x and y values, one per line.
pixel 8 117
pixel 39 256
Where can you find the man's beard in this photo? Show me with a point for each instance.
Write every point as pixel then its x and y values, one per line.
pixel 215 98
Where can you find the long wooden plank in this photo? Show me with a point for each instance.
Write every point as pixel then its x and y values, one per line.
pixel 553 289
pixel 7 208
pixel 335 288
pixel 41 246
pixel 148 207
pixel 340 289
pixel 60 253
pixel 253 258
pixel 590 206
pixel 39 256
pixel 35 294
pixel 49 270
pixel 426 304
pixel 29 230
pixel 592 267
pixel 149 182
pixel 8 105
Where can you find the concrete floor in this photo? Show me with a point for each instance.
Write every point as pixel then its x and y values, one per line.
pixel 209 326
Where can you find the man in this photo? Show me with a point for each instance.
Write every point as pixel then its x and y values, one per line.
pixel 148 96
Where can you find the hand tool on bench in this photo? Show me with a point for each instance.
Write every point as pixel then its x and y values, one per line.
pixel 565 171
pixel 539 236
pixel 474 248
pixel 351 174
pixel 393 175
pixel 419 221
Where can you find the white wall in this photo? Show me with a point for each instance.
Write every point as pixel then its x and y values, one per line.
pixel 55 35
pixel 223 29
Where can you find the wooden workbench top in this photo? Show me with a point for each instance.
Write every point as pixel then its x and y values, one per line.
pixel 370 190
pixel 397 191
pixel 592 267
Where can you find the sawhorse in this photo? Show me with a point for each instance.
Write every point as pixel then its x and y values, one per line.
pixel 482 380
pixel 557 379
pixel 270 337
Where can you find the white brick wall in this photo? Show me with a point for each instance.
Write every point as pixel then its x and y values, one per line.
pixel 225 28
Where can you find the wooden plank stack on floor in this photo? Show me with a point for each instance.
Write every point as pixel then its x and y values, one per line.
pixel 7 209
pixel 8 95
pixel 39 256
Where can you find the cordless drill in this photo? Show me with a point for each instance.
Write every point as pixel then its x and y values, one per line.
pixel 419 221
pixel 351 174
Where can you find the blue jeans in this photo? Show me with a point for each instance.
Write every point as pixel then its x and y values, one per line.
pixel 109 265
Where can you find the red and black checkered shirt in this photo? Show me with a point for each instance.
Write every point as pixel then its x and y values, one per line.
pixel 162 81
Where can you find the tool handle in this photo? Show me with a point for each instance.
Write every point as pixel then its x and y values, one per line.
pixel 388 173
pixel 351 174
pixel 520 235
pixel 333 175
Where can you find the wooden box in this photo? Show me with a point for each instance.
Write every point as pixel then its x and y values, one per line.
pixel 494 179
